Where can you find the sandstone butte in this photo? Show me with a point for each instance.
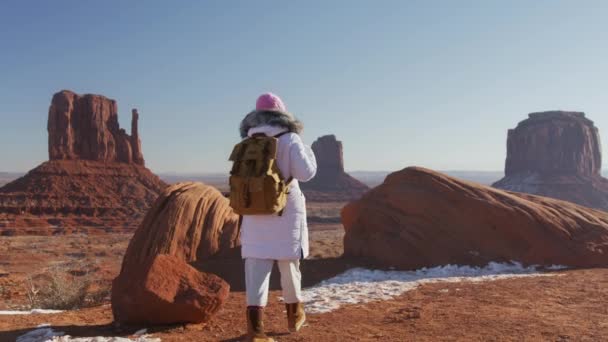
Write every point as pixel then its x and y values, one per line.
pixel 556 154
pixel 331 183
pixel 95 178
pixel 421 218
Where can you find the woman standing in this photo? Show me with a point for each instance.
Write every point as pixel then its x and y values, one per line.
pixel 281 238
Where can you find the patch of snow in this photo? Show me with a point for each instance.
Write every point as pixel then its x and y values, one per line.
pixel 143 338
pixel 359 285
pixel 42 334
pixel 45 333
pixel 31 312
pixel 140 332
pixel 556 267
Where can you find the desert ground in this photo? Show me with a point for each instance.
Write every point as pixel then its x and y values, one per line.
pixel 73 272
pixel 568 305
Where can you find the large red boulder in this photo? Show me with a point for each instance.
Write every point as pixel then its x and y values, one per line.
pixel 189 224
pixel 556 154
pixel 189 220
pixel 167 290
pixel 420 218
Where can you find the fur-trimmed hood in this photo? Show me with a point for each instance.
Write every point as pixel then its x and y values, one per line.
pixel 270 118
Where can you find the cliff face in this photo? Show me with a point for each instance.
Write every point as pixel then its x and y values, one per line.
pixel 86 127
pixel 554 143
pixel 556 154
pixel 330 156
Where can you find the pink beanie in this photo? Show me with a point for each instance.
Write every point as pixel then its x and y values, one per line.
pixel 270 101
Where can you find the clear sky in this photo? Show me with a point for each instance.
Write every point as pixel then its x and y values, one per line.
pixel 431 83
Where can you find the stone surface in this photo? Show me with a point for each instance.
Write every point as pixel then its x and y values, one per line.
pixel 556 154
pixel 188 224
pixel 166 290
pixel 331 183
pixel 138 156
pixel 86 127
pixel 421 218
pixel 82 187
pixel 189 220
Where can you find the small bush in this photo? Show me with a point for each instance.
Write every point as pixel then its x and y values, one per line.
pixel 59 288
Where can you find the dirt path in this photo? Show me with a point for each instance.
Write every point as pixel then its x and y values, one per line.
pixel 568 307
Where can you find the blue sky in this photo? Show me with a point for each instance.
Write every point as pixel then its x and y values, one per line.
pixel 431 83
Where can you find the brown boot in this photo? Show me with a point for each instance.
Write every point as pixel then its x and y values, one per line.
pixel 295 316
pixel 255 325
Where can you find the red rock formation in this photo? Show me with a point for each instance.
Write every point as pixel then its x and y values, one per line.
pixel 88 188
pixel 556 154
pixel 95 178
pixel 421 218
pixel 331 182
pixel 86 127
pixel 138 157
pixel 166 290
pixel 189 222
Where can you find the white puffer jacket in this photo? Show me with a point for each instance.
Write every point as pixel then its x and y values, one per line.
pixel 282 237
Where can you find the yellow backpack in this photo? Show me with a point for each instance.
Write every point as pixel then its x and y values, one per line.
pixel 256 184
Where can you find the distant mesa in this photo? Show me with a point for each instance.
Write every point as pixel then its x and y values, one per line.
pixel 422 218
pixel 556 154
pixel 95 176
pixel 331 182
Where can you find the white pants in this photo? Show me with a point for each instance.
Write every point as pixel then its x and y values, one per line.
pixel 257 279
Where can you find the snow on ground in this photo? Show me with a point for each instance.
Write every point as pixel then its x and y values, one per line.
pixel 359 285
pixel 44 333
pixel 31 312
pixel 103 339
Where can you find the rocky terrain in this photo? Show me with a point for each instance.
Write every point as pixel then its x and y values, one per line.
pixel 331 183
pixel 187 242
pixel 421 218
pixel 95 177
pixel 556 154
pixel 569 306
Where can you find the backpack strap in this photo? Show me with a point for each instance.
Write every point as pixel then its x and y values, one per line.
pixel 280 213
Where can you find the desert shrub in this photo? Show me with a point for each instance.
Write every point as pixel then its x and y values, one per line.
pixel 60 288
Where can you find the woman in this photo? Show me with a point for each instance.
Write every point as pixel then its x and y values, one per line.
pixel 282 238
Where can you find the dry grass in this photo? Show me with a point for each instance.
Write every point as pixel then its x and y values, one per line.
pixel 91 261
pixel 62 287
pixel 57 291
